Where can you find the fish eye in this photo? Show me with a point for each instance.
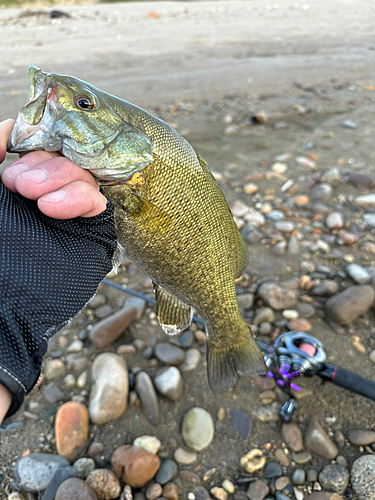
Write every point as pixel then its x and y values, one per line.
pixel 84 102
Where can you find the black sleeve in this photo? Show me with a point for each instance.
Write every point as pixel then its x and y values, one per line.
pixel 49 270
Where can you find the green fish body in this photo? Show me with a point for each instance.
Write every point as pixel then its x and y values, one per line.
pixel 171 217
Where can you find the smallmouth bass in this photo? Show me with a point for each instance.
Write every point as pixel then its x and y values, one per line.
pixel 171 217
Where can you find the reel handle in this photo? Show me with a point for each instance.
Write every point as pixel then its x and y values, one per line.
pixel 348 380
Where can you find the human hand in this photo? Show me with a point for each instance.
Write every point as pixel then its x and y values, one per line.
pixel 49 268
pixel 63 190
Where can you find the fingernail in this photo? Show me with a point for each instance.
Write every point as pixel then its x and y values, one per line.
pixel 13 171
pixel 37 176
pixel 55 197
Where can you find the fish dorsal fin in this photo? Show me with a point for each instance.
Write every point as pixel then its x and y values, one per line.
pixel 174 315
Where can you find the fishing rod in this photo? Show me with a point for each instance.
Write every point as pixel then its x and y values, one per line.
pixel 293 355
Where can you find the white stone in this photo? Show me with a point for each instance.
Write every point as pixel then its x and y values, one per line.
pixel 192 358
pixel 149 443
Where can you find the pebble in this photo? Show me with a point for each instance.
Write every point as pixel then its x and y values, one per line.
pixel 351 303
pixel 168 470
pixel 361 437
pixel 305 162
pixel 365 200
pixel 34 472
pixel 281 457
pixel 281 483
pixel 54 369
pixel 332 176
pixel 284 226
pixel 299 477
pixel 317 440
pixel 170 491
pixel 61 475
pixel 334 477
pixel 219 493
pixel 241 422
pixel 75 346
pixel 82 380
pixel 186 339
pixel 134 466
pixel 279 167
pixel 362 477
pixel 301 458
pixel 321 192
pixel 83 466
pixel 369 219
pixel 245 301
pixel 169 354
pixel 348 124
pixel 300 325
pixel 267 397
pixel 184 457
pixel 71 429
pixel 372 356
pixel 305 310
pixel 147 395
pixel 292 436
pixel 269 413
pixel 154 491
pixel 228 486
pixel 95 448
pixel 104 483
pixel 335 220
pixel 301 200
pixel 192 359
pixel 149 443
pixel 76 362
pixel 358 274
pixel 103 311
pixel 272 470
pixel 52 393
pixel 200 493
pixel 290 314
pixel 69 380
pixel 257 490
pixel 110 386
pixel 275 215
pixel 277 297
pixel 339 438
pixel 75 489
pixel 253 460
pixel 197 429
pixel 250 188
pixel 324 495
pixel 264 315
pixel 168 382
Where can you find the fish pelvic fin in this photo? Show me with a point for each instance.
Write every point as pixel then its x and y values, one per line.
pixel 174 315
pixel 225 364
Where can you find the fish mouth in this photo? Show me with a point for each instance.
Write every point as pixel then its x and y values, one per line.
pixel 33 128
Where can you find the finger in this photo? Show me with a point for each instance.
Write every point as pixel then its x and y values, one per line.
pixel 49 176
pixel 6 128
pixel 77 199
pixel 30 160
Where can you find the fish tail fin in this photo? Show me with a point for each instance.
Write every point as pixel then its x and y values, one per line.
pixel 224 364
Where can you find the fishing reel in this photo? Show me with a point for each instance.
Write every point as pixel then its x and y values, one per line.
pixel 292 355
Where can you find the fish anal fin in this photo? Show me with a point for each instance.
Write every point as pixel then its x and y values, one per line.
pixel 173 314
pixel 225 364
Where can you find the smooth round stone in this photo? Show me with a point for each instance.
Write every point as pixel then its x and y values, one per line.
pixel 170 491
pixel 285 226
pixel 270 413
pixel 75 489
pixel 372 356
pixel 351 303
pixel 110 386
pixel 71 429
pixel 149 443
pixel 186 339
pixel 290 314
pixel 358 274
pixel 361 437
pixel 281 457
pixel 271 470
pixel 334 220
pixel 192 359
pixel 332 176
pixel 279 167
pixel 362 477
pixel 281 483
pixel 76 362
pixel 52 393
pixel 75 346
pixel 277 297
pixel 341 460
pixel 61 475
pixel 300 325
pixel 219 493
pixel 279 248
pixel 146 393
pixel 369 219
pixel 306 310
pixel 169 354
pixel 197 429
pixel 275 215
pixel 168 470
pixel 95 448
pixel 302 457
pixel 334 477
pixel 339 438
pixel 264 315
pixel 265 328
pixel 83 466
pixel 257 490
pixel 365 200
pixel 34 472
pixel 298 477
pixel 168 382
pixel 317 440
pixel 293 246
pixel 228 486
pixel 245 301
pixel 154 491
pixel 105 484
pixel 184 457
pixel 54 369
pixel 134 466
pixel 321 192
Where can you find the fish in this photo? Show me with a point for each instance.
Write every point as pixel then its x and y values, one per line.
pixel 171 217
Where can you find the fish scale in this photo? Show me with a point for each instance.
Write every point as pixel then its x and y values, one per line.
pixel 171 217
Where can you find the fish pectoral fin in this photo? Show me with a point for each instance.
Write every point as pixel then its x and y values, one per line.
pixel 118 257
pixel 174 315
pixel 224 364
